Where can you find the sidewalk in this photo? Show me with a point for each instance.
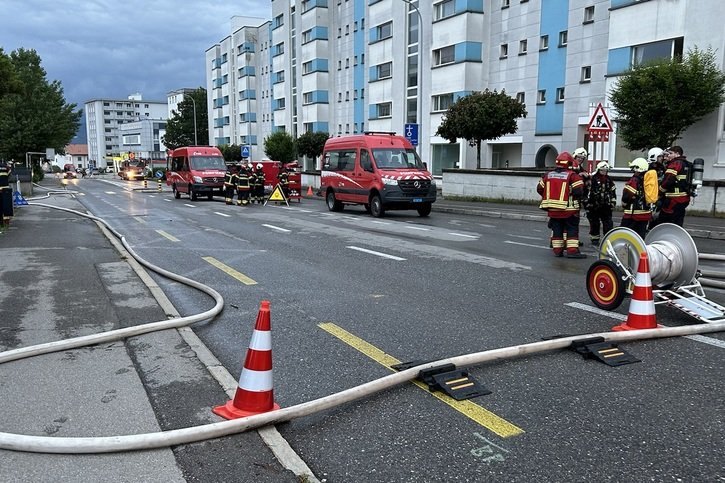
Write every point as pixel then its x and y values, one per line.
pixel 60 277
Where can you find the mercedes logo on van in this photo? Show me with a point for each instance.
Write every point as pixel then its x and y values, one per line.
pixel 416 184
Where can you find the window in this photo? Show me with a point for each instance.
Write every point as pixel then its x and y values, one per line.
pixel 307 98
pixel 664 49
pixel 385 30
pixel 347 29
pixel 339 97
pixel 306 36
pixel 541 97
pixel 385 70
pixel 505 4
pixel 521 97
pixel 523 47
pixel 559 94
pixel 444 9
pixel 445 55
pixel 339 32
pixel 589 14
pixel 586 73
pixel 544 42
pixel 385 109
pixel 343 160
pixel 504 51
pixel 442 102
pixel 347 63
pixel 563 38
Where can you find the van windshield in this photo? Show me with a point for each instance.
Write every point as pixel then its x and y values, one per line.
pixel 208 162
pixel 396 158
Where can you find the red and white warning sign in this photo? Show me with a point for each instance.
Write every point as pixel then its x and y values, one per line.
pixel 599 126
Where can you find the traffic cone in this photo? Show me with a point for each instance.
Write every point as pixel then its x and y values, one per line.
pixel 254 394
pixel 309 191
pixel 642 306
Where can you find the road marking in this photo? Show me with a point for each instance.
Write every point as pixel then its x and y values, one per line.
pixel 380 222
pixel 166 199
pixel 463 235
pixel 166 235
pixel 537 238
pixel 482 416
pixel 276 228
pixel 616 316
pixel 222 214
pixel 189 205
pixel 230 271
pixel 526 244
pixel 371 252
pixel 486 225
pixel 139 219
pixel 110 192
pixel 417 228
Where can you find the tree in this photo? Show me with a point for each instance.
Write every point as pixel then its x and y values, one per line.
pixel 479 117
pixel 231 152
pixel 180 128
pixel 311 144
pixel 33 112
pixel 657 101
pixel 280 146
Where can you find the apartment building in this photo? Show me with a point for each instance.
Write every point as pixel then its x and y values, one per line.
pixel 349 66
pixel 104 118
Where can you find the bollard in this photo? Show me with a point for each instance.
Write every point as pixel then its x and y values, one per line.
pixel 159 184
pixel 145 183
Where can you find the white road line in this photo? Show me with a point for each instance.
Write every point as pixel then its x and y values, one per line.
pixel 485 225
pixel 538 238
pixel 152 196
pixel 110 192
pixel 417 228
pixel 222 214
pixel 166 199
pixel 276 228
pixel 614 315
pixel 526 244
pixel 380 222
pixel 371 252
pixel 464 235
pixel 189 205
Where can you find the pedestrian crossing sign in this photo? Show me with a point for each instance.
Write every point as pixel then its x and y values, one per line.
pixel 277 195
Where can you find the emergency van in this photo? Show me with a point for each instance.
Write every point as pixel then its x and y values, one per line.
pixel 196 170
pixel 378 170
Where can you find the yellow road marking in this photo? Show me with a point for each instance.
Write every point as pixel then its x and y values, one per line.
pixel 482 416
pixel 139 219
pixel 230 271
pixel 166 235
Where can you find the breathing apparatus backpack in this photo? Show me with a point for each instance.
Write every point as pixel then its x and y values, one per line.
pixel 651 187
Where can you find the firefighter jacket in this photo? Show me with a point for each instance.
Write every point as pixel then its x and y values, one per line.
pixel 257 178
pixel 243 179
pixel 675 186
pixel 633 200
pixel 283 178
pixel 602 193
pixel 560 192
pixel 230 180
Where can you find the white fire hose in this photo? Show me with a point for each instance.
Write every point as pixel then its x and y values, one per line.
pixel 132 442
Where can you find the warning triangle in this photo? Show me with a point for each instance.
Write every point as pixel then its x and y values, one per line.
pixel 599 121
pixel 277 195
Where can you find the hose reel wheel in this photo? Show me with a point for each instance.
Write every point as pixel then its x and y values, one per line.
pixel 606 284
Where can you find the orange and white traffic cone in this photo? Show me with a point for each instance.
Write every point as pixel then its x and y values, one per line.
pixel 309 191
pixel 254 394
pixel 642 306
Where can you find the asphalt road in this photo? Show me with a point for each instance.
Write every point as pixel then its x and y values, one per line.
pixel 423 289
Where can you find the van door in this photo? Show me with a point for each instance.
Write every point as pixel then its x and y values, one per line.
pixel 364 176
pixel 342 162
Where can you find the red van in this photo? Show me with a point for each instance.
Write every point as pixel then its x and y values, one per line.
pixel 196 170
pixel 380 171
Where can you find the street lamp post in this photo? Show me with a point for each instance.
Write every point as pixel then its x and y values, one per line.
pixel 419 89
pixel 193 102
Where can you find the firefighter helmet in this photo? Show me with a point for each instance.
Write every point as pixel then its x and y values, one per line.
pixel 653 154
pixel 259 166
pixel 603 165
pixel 564 160
pixel 580 153
pixel 639 165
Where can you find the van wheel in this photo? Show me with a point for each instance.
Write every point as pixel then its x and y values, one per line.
pixel 332 203
pixel 192 194
pixel 376 206
pixel 177 195
pixel 424 210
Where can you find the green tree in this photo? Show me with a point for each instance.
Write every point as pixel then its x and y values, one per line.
pixel 280 146
pixel 311 144
pixel 231 152
pixel 479 117
pixel 34 114
pixel 180 128
pixel 657 101
pixel 9 81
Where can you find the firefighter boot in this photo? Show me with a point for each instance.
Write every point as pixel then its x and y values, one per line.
pixel 572 249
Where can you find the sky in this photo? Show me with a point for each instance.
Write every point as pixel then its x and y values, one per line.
pixel 111 49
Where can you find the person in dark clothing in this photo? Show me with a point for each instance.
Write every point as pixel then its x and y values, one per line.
pixel 600 202
pixel 675 187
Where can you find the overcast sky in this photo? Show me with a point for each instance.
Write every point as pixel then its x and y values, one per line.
pixel 112 48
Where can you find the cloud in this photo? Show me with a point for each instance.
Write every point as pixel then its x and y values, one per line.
pixel 110 49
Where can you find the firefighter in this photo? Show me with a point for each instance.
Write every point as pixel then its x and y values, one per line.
pixel 600 202
pixel 675 188
pixel 258 186
pixel 283 178
pixel 243 186
pixel 560 191
pixel 6 194
pixel 230 183
pixel 637 213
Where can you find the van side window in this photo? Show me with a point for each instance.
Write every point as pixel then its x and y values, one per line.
pixel 343 160
pixel 177 163
pixel 365 162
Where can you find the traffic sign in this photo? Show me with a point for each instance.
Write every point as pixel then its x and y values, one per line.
pixel 599 122
pixel 245 151
pixel 411 133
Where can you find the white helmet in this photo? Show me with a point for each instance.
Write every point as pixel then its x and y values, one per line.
pixel 580 152
pixel 639 165
pixel 602 165
pixel 259 165
pixel 653 154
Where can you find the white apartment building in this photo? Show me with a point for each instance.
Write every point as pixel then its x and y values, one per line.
pixel 104 118
pixel 174 98
pixel 349 66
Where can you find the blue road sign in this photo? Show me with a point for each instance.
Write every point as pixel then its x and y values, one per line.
pixel 245 151
pixel 411 133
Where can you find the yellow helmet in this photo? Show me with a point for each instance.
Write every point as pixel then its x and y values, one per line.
pixel 639 165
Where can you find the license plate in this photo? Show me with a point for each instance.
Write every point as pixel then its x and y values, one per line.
pixel 417 200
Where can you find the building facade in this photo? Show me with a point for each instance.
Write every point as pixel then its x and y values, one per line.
pixel 349 66
pixel 104 118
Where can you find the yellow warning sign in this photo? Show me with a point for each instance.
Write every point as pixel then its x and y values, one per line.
pixel 277 195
